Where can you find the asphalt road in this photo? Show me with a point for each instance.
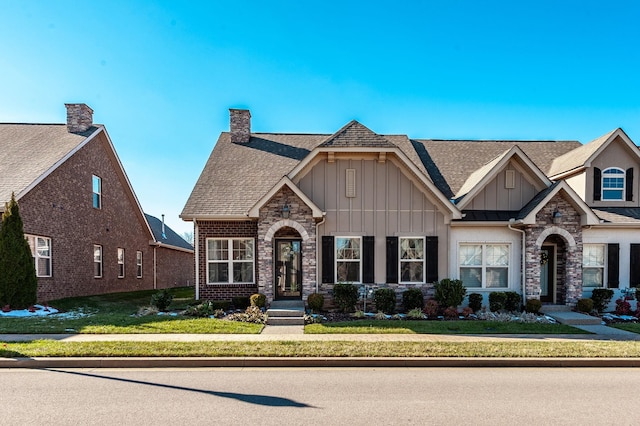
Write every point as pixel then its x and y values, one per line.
pixel 345 396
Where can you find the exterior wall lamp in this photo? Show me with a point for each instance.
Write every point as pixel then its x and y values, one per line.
pixel 286 211
pixel 557 217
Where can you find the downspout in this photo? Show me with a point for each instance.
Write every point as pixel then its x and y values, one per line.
pixel 324 218
pixel 155 268
pixel 196 245
pixel 522 250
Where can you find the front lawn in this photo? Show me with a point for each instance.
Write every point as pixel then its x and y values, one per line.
pixel 633 327
pixel 116 313
pixel 439 327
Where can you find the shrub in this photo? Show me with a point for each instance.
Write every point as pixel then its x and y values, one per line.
pixel 431 308
pixel 380 316
pixel 450 293
pixel 601 298
pixel 358 314
pixel 204 309
pixel 451 313
pixel 415 313
pixel 623 307
pixel 584 305
pixel 638 294
pixel 220 304
pixel 412 299
pixel 258 299
pixel 240 302
pixel 466 312
pixel 315 302
pixel 385 300
pixel 497 300
pixel 512 301
pixel 345 296
pixel 252 314
pixel 475 301
pixel 161 300
pixel 533 306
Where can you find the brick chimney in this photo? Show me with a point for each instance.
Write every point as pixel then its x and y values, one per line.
pixel 240 125
pixel 79 117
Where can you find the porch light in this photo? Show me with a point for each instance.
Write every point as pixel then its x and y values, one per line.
pixel 285 211
pixel 557 217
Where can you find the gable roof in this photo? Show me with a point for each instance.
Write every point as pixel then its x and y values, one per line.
pixel 354 134
pixel 527 213
pixel 285 181
pixel 582 156
pixel 169 237
pixel 30 152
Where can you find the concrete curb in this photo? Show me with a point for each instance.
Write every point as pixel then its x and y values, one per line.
pixel 311 362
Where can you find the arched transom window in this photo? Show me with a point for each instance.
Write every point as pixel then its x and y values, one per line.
pixel 613 184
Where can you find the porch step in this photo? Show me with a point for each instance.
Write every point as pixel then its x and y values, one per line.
pixel 554 308
pixel 286 312
pixel 573 318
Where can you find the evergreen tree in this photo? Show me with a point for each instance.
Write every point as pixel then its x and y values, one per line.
pixel 18 282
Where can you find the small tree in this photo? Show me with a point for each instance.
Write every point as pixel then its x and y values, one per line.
pixel 18 282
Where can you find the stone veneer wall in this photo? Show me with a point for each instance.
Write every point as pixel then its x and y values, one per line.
pixel 570 230
pixel 271 220
pixel 222 229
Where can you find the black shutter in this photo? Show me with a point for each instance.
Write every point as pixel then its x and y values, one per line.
pixel 431 273
pixel 327 259
pixel 634 262
pixel 597 184
pixel 629 184
pixel 613 265
pixel 368 259
pixel 392 259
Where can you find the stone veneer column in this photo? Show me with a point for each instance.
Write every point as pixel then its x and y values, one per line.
pixel 301 219
pixel 570 230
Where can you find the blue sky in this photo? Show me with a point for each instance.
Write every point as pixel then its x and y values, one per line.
pixel 161 75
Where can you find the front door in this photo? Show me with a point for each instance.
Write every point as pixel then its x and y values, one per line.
pixel 547 274
pixel 288 269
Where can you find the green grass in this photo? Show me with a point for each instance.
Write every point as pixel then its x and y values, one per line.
pixel 438 327
pixel 50 348
pixel 628 326
pixel 115 313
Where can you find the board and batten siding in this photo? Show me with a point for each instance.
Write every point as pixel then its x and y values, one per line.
pixel 387 202
pixel 496 196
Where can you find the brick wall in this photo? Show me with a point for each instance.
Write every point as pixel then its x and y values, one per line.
pixel 174 268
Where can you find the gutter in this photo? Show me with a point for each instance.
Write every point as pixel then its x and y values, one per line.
pixel 197 251
pixel 522 250
pixel 324 219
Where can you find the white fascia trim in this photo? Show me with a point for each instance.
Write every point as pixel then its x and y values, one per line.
pixel 588 217
pixel 254 212
pixel 193 218
pixel 479 223
pixel 169 246
pixel 515 150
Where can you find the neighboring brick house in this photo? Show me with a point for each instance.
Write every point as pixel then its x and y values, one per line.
pixel 292 214
pixel 82 219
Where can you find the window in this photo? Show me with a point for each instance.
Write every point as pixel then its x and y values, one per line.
pixel 230 260
pixel 412 260
pixel 97 192
pixel 120 263
pixel 139 264
pixel 613 184
pixel 348 259
pixel 41 252
pixel 593 259
pixel 484 265
pixel 97 261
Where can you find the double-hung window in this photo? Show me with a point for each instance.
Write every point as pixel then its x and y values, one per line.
pixel 120 263
pixel 593 260
pixel 613 184
pixel 41 252
pixel 97 261
pixel 139 264
pixel 230 260
pixel 412 260
pixel 96 183
pixel 348 259
pixel 484 265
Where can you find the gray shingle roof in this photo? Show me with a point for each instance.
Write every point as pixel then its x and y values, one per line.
pixel 29 150
pixel 355 134
pixel 577 157
pixel 170 237
pixel 619 214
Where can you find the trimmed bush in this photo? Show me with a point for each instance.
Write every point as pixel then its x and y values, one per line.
pixel 412 299
pixel 450 293
pixel 385 300
pixel 601 298
pixel 533 306
pixel 258 299
pixel 207 308
pixel 315 302
pixel 475 301
pixel 497 300
pixel 345 296
pixel 161 300
pixel 431 308
pixel 512 301
pixel 240 302
pixel 584 305
pixel 451 313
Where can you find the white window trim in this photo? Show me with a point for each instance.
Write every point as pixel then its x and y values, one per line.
pixel 229 261
pixel 423 260
pixel 336 260
pixel 603 267
pixel 622 190
pixel 97 246
pixel 484 266
pixel 121 271
pixel 99 193
pixel 33 245
pixel 139 269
